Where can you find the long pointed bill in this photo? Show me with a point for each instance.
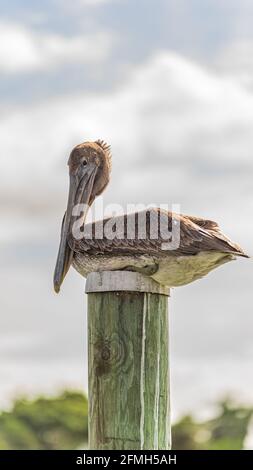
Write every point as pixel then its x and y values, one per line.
pixel 80 190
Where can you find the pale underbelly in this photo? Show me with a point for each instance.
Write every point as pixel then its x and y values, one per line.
pixel 183 270
pixel 167 270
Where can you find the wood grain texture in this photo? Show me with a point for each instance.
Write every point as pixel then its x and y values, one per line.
pixel 128 371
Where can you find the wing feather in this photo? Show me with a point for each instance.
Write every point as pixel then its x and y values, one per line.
pixel 196 235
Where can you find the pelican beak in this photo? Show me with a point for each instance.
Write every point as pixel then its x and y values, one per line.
pixel 80 192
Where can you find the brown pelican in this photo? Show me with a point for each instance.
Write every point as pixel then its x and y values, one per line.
pixel 201 248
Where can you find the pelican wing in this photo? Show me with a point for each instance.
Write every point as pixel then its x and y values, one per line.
pixel 204 223
pixel 149 232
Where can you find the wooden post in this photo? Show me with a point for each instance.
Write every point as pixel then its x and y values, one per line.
pixel 129 404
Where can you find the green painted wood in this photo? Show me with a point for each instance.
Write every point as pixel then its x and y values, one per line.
pixel 128 359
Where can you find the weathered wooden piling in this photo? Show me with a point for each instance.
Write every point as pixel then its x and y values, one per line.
pixel 128 355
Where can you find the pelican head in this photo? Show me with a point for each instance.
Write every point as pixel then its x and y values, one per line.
pixel 89 171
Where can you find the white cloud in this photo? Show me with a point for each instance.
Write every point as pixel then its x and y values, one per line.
pixel 189 119
pixel 77 7
pixel 25 50
pixel 236 60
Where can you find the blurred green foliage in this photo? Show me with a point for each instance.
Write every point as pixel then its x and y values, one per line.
pixel 226 431
pixel 61 423
pixel 46 423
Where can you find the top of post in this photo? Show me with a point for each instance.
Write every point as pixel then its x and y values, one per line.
pixel 118 281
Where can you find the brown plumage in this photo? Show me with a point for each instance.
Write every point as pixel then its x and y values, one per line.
pixel 201 248
pixel 196 235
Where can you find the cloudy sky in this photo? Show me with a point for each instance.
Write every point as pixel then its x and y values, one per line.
pixel 168 83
